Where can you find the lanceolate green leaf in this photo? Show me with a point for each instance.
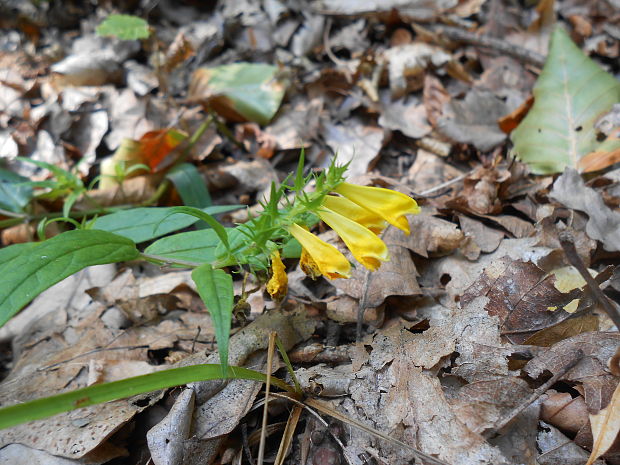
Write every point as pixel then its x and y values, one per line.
pixel 216 291
pixel 190 185
pixel 14 194
pixel 97 394
pixel 36 268
pixel 192 246
pixel 143 224
pixel 571 93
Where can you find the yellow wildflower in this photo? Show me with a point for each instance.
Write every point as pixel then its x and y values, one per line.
pixel 365 246
pixel 277 286
pixel 390 205
pixel 320 255
pixel 354 212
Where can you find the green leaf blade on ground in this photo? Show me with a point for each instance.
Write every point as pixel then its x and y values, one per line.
pixel 571 93
pixel 125 27
pixel 215 288
pixel 99 393
pixel 38 267
pixel 146 223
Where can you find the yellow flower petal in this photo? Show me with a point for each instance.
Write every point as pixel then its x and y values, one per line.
pixel 308 265
pixel 365 246
pixel 354 212
pixel 325 257
pixel 277 286
pixel 392 206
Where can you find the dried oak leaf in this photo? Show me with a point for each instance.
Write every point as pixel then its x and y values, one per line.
pixel 591 371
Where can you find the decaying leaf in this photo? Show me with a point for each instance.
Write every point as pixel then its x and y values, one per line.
pixel 571 93
pixel 241 91
pixel 603 223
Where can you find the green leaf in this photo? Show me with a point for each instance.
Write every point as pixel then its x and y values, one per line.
pixel 192 246
pixel 143 224
pixel 571 93
pixel 38 267
pixel 216 291
pixel 9 253
pixel 124 27
pixel 292 249
pixel 14 194
pixel 240 91
pixel 99 393
pixel 190 185
pixel 207 218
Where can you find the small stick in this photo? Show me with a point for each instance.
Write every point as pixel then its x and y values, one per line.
pixel 502 422
pixel 568 244
pixel 520 53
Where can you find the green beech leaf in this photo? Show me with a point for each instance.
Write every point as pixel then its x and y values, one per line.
pixel 216 291
pixel 99 393
pixel 571 93
pixel 124 27
pixel 190 185
pixel 144 224
pixel 38 267
pixel 240 91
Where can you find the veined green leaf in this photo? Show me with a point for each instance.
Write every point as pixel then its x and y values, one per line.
pixel 99 393
pixel 216 291
pixel 571 93
pixel 9 253
pixel 143 224
pixel 36 268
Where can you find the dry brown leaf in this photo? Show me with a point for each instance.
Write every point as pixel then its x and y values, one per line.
pixel 522 295
pixel 591 371
pixel 605 427
pixel 604 223
pixel 434 96
pixel 354 142
pixel 563 330
pixel 565 412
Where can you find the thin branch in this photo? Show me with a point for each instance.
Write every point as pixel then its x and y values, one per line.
pixel 568 244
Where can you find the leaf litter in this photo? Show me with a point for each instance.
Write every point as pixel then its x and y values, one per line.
pixel 476 313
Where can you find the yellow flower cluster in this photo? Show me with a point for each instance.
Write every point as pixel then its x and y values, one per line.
pixel 357 215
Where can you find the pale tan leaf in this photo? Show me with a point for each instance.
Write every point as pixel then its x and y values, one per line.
pixel 605 427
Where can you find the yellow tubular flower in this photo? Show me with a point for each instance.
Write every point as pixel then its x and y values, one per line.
pixel 392 206
pixel 277 286
pixel 354 212
pixel 365 246
pixel 324 257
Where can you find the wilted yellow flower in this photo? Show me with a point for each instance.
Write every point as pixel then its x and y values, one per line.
pixel 365 246
pixel 277 286
pixel 320 255
pixel 354 212
pixel 390 205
